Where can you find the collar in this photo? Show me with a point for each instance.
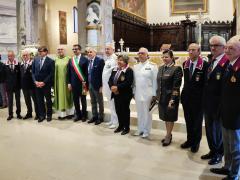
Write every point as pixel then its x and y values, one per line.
pixel 199 63
pixel 222 60
pixel 29 62
pixel 169 65
pixel 236 64
pixel 79 56
pixel 111 57
pixel 15 62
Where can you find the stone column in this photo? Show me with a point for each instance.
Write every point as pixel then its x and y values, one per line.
pixel 238 17
pixel 106 19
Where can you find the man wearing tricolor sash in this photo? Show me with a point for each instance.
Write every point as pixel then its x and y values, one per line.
pixel 77 82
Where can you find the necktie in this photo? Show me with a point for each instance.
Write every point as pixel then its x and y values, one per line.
pixel 116 77
pixel 191 70
pixel 12 67
pixel 210 68
pixel 41 63
pixel 25 67
pixel 90 70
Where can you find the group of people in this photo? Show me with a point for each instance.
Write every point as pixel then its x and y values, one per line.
pixel 210 90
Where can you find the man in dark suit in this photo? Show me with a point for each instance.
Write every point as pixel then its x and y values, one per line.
pixel 13 78
pixel 28 86
pixel 95 69
pixel 230 112
pixel 43 75
pixel 211 100
pixel 3 102
pixel 77 82
pixel 191 98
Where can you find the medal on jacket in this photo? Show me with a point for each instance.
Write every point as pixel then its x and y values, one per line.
pixel 233 79
pixel 122 78
pixel 197 77
pixel 218 76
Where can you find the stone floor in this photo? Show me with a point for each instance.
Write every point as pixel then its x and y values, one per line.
pixel 63 150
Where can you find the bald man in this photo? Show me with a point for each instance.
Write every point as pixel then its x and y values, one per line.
pixel 195 69
pixel 230 113
pixel 13 86
pixel 110 63
pixel 145 77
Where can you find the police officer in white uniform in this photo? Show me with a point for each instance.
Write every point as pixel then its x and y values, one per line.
pixel 110 63
pixel 145 78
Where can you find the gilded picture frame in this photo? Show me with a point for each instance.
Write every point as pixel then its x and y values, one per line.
pixel 133 7
pixel 188 6
pixel 63 27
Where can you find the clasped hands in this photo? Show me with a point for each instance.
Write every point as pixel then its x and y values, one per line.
pixel 39 84
pixel 114 89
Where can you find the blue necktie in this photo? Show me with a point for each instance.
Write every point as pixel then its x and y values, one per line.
pixel 191 70
pixel 90 70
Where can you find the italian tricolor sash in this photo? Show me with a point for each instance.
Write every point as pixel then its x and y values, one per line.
pixel 78 69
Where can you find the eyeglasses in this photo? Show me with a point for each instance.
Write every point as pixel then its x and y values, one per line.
pixel 215 45
pixel 59 49
pixel 75 49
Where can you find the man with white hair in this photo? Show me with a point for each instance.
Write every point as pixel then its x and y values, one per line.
pixel 230 113
pixel 28 86
pixel 211 99
pixel 145 77
pixel 63 100
pixel 191 98
pixel 13 86
pixel 110 63
pixel 95 69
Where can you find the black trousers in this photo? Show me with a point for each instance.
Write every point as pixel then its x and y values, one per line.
pixel 214 133
pixel 77 97
pixel 193 114
pixel 29 95
pixel 123 111
pixel 42 93
pixel 10 94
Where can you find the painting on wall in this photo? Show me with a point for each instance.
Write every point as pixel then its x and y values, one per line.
pixel 188 6
pixel 133 7
pixel 63 27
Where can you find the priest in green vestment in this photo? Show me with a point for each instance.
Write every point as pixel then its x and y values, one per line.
pixel 63 102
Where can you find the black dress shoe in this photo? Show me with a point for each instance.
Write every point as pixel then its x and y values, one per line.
pixel 27 116
pixel 207 156
pixel 221 171
pixel 84 119
pixel 91 121
pixel 229 178
pixel 125 131
pixel 49 119
pixel 76 119
pixel 99 121
pixel 165 143
pixel 119 129
pixel 185 145
pixel 215 160
pixel 41 119
pixel 9 118
pixel 19 116
pixel 195 148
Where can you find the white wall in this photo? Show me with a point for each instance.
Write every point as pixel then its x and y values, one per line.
pixel 158 11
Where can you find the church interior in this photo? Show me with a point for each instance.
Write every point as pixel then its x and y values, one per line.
pixel 64 150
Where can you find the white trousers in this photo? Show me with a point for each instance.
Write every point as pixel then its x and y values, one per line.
pixel 114 118
pixel 144 116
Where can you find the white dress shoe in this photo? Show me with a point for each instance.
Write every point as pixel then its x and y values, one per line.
pixel 113 126
pixel 145 135
pixel 137 133
pixel 109 123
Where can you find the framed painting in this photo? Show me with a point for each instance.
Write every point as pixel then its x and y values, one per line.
pixel 133 7
pixel 188 6
pixel 63 27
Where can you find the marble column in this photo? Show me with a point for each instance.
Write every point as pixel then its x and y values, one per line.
pixel 238 17
pixel 107 27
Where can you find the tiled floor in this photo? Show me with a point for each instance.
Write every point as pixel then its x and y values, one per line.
pixel 63 150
